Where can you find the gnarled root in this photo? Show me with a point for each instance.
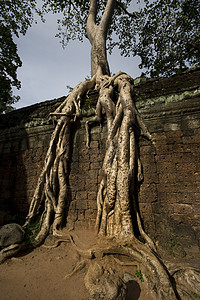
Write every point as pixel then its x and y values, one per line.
pixel 104 284
pixel 57 243
pixel 52 187
pixel 98 282
pixel 77 268
pixel 187 282
pixel 10 251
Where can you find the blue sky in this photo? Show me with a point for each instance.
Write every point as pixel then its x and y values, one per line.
pixel 48 68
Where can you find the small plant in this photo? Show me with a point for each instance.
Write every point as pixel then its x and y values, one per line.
pixel 196 295
pixel 88 103
pixel 31 231
pixel 138 274
pixel 173 243
pixel 70 89
pixel 87 78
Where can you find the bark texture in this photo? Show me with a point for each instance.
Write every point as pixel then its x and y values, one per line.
pixel 97 36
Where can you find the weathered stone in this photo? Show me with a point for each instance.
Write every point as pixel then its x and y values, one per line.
pixel 128 277
pixel 11 234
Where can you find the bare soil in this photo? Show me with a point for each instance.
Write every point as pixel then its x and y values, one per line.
pixel 39 274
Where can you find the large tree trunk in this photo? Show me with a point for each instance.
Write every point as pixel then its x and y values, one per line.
pixel 97 35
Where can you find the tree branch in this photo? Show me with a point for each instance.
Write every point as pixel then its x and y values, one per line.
pixel 91 20
pixel 132 15
pixel 107 16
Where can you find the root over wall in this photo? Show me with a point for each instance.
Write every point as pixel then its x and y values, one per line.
pixel 169 196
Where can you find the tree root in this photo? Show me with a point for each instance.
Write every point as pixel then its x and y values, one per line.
pixel 57 243
pixel 11 251
pixel 157 278
pixel 124 264
pixel 187 282
pixel 103 281
pixel 77 268
pixel 104 284
pixel 115 198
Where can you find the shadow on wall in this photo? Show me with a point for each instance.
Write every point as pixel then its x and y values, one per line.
pixel 13 188
pixel 24 138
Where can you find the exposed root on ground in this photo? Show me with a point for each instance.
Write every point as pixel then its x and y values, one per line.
pixel 57 243
pixel 10 251
pixel 79 266
pixel 109 261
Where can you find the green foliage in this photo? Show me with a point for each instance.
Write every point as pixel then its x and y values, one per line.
pixel 89 103
pixel 73 24
pixel 169 36
pixel 138 274
pixel 31 231
pixel 174 247
pixel 163 33
pixel 9 62
pixel 173 243
pixel 70 89
pixel 17 15
pixel 196 295
pixel 15 18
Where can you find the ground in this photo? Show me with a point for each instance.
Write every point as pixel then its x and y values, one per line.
pixel 39 274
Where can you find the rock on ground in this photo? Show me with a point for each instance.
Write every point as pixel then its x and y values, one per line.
pixel 11 234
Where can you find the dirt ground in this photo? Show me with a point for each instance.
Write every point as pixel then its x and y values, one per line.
pixel 39 274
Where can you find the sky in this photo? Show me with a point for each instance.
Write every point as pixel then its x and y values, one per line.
pixel 47 69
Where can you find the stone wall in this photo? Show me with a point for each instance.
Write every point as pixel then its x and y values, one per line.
pixel 169 197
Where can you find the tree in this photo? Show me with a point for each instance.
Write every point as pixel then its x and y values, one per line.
pixel 9 62
pixel 164 34
pixel 121 170
pixel 15 18
pixel 169 35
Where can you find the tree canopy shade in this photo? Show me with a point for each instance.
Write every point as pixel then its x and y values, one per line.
pixel 169 36
pixel 15 18
pixel 164 34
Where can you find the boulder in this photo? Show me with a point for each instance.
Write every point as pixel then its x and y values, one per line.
pixel 11 234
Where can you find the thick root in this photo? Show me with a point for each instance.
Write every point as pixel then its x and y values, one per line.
pixel 10 251
pixel 104 284
pixel 57 243
pixel 156 276
pixel 187 283
pixel 79 266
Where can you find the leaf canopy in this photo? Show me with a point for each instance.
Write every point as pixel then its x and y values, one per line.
pixel 163 33
pixel 15 18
